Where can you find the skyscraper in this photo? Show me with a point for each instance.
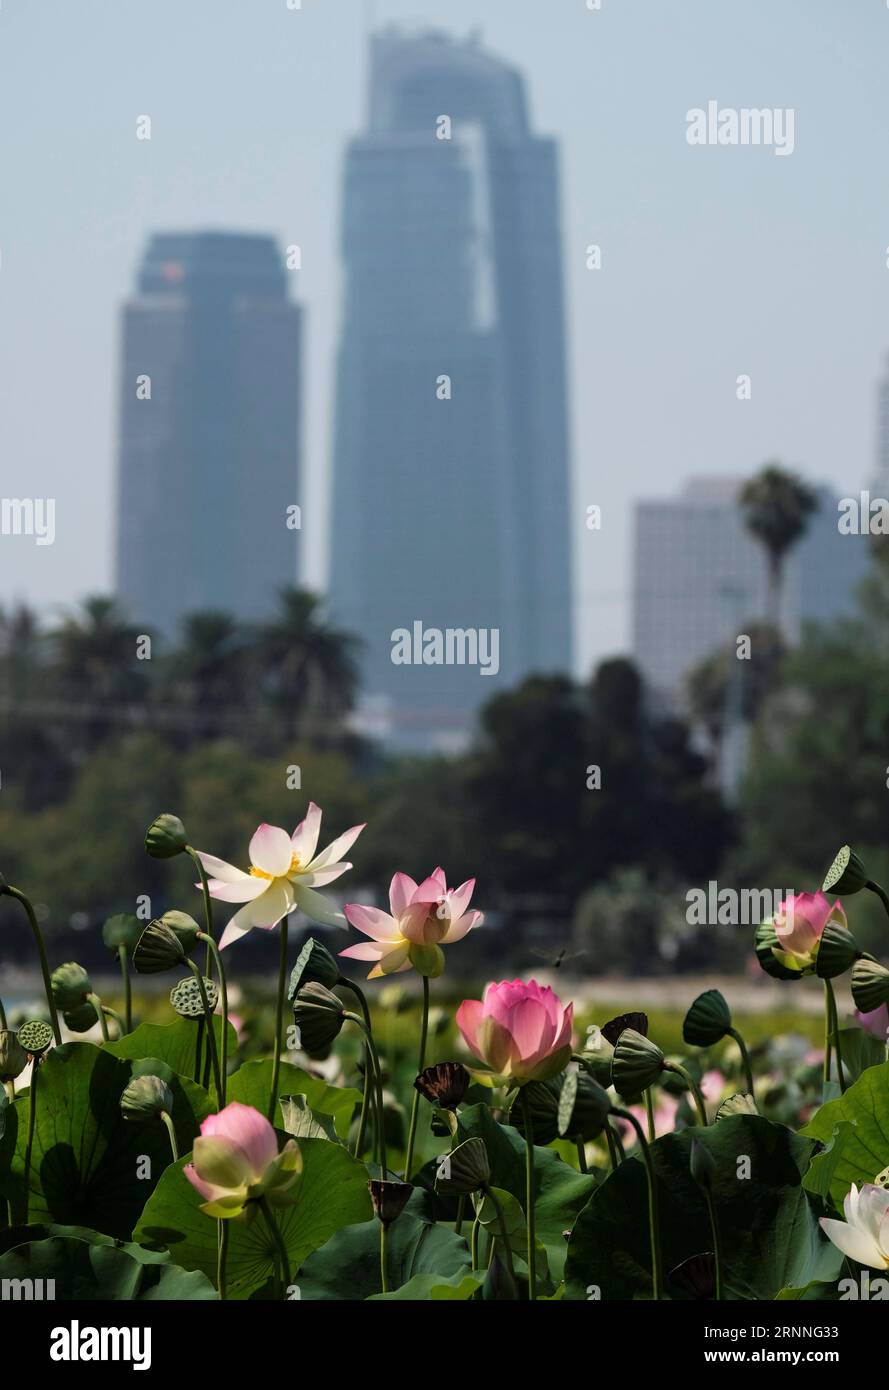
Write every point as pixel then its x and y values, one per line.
pixel 451 469
pixel 209 430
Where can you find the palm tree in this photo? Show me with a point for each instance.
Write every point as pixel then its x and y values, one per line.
pixel 97 667
pixel 776 506
pixel 309 669
pixel 205 672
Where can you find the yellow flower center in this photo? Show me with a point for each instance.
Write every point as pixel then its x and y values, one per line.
pixel 295 865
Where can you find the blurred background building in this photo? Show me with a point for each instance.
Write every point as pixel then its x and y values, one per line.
pixel 700 576
pixel 451 468
pixel 209 462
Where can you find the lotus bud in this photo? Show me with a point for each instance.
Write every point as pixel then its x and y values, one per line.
pixel 708 1020
pixel 465 1169
pixel 186 997
pixel 389 1199
pixel 314 965
pixel 443 1085
pixel 13 1057
pixel 702 1165
pixel 615 1026
pixel 319 1014
pixel 70 986
pixel 123 929
pixel 36 1037
pixel 638 1063
pixel 846 874
pixel 158 949
pixel 587 1116
pixel 145 1099
pixel 837 953
pixel 870 985
pixel 165 837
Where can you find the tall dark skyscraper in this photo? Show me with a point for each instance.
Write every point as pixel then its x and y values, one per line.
pixel 209 463
pixel 451 488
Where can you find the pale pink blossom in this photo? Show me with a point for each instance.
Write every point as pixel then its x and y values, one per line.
pixel 236 1161
pixel 799 925
pixel 421 918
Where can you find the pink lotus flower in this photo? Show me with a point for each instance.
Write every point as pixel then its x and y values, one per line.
pixel 799 925
pixel 876 1022
pixel 422 918
pixel 236 1161
pixel 284 873
pixel 522 1032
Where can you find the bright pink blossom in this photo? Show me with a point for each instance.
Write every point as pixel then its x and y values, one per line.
pixel 799 925
pixel 422 918
pixel 522 1032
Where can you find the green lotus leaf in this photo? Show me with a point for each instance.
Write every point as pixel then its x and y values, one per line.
pixel 87 1271
pixel 865 1145
pixel 251 1085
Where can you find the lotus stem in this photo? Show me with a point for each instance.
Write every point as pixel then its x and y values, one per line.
pixel 613 1152
pixel 653 1227
pixel 369 1070
pixel 504 1234
pixel 880 892
pixel 384 1282
pixel 41 951
pixel 127 987
pixel 211 1034
pixel 280 1247
pixel 32 1125
pixel 473 1241
pixel 378 1084
pixel 221 1257
pixel 528 1126
pixel 279 1021
pixel 214 951
pixel 717 1243
pixel 834 1029
pixel 581 1155
pixel 415 1104
pixel 171 1131
pixel 208 901
pixel 100 1010
pixel 745 1060
pixel 649 1115
pixel 3 1023
pixel 692 1086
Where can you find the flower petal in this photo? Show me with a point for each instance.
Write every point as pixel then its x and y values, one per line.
pixel 270 850
pixel 218 868
pixel 244 891
pixel 401 892
pixel 373 922
pixel 336 849
pixel 304 840
pixel 316 906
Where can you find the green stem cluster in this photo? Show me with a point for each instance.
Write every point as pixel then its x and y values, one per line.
pixel 415 1104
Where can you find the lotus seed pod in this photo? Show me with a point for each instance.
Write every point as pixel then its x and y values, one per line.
pixel 314 965
pixel 70 986
pixel 615 1026
pixel 707 1021
pixel 740 1104
pixel 465 1169
pixel 598 1055
pixel 157 949
pixel 638 1063
pixel 837 953
pixel 764 942
pixel 165 837
pixel 587 1118
pixel 319 1015
pixel 870 985
pixel 846 874
pixel 145 1098
pixel 185 927
pixel 443 1085
pixel 186 997
pixel 389 1199
pixel 36 1037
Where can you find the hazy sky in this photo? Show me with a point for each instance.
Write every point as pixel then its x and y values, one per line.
pixel 716 261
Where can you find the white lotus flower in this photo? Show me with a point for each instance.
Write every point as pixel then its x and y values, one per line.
pixel 864 1235
pixel 284 873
